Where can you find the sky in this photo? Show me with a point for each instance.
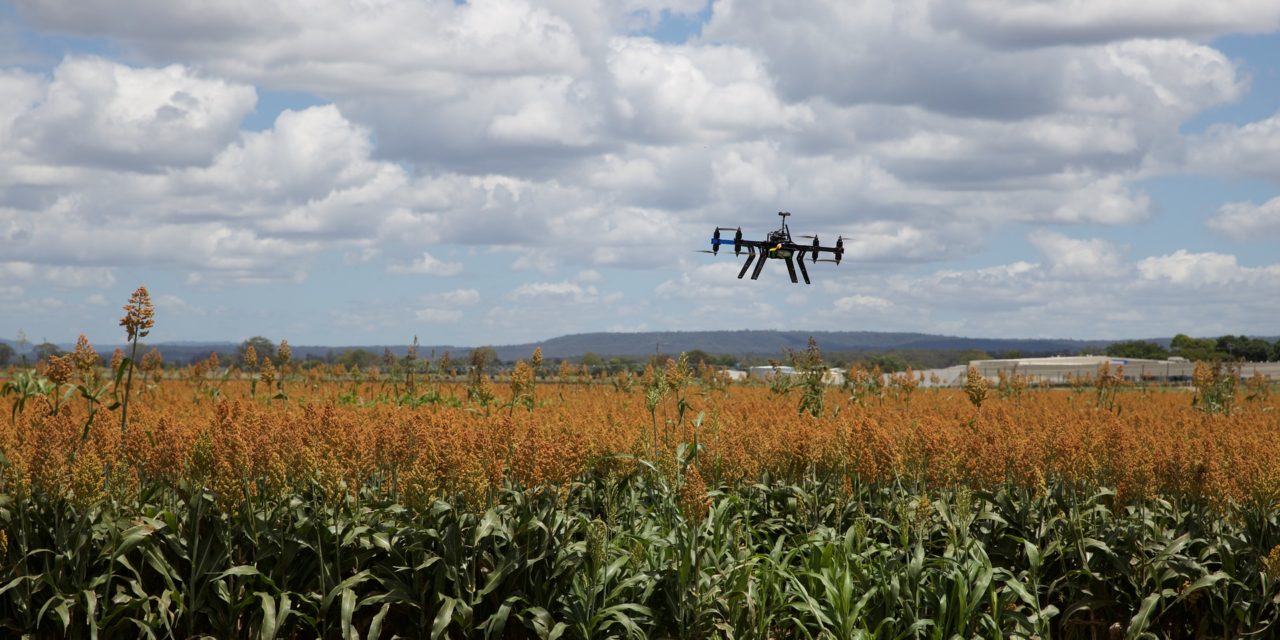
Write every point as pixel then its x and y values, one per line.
pixel 505 171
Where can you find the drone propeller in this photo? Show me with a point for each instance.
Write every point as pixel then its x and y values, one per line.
pixel 828 260
pixel 704 251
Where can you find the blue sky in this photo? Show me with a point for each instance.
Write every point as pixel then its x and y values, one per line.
pixel 506 171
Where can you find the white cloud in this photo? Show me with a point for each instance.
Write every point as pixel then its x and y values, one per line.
pixel 1251 149
pixel 555 290
pixel 861 303
pixel 169 303
pixel 539 260
pixel 439 316
pixel 428 265
pixel 10 271
pixel 1246 220
pixel 457 297
pixel 710 282
pixel 1184 268
pixel 103 113
pixel 1058 22
pixel 399 42
pixel 670 93
pixel 1071 258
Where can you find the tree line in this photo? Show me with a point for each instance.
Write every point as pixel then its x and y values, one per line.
pixel 1226 348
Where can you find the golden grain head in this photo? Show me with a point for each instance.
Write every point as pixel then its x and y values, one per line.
pixel 86 358
pixel 58 370
pixel 139 314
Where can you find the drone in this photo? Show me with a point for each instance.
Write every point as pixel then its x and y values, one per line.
pixel 777 245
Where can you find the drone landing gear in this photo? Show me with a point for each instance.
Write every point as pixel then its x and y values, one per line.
pixel 803 272
pixel 755 274
pixel 750 256
pixel 791 269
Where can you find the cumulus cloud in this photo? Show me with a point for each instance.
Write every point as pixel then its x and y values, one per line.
pixel 290 42
pixel 1059 22
pixel 446 307
pixel 103 113
pixel 861 303
pixel 1072 258
pixel 438 316
pixel 428 264
pixel 1245 220
pixel 1251 149
pixel 1176 292
pixel 458 297
pixel 555 291
pixel 1189 269
pixel 170 303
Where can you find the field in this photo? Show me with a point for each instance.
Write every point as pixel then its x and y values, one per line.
pixel 274 500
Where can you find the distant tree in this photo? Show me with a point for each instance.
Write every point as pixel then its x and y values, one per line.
pixel 6 354
pixel 1137 349
pixel 1275 351
pixel 45 350
pixel 969 355
pixel 263 347
pixel 1244 348
pixel 357 358
pixel 1196 349
pixel 699 356
pixel 887 362
pixel 617 364
pixel 591 359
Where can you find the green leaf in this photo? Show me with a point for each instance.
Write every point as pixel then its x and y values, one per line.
pixel 375 625
pixel 268 630
pixel 443 617
pixel 348 608
pixel 91 612
pixel 1203 583
pixel 1142 619
pixel 1033 555
pixel 64 614
pixel 240 570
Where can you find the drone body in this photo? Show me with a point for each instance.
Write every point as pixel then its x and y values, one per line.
pixel 777 245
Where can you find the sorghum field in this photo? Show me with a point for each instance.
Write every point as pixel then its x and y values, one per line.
pixel 276 500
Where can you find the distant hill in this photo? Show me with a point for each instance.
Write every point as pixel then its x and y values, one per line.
pixel 643 344
pixel 776 342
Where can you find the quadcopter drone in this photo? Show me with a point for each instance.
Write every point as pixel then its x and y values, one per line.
pixel 777 245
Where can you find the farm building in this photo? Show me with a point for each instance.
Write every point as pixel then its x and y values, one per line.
pixel 1061 369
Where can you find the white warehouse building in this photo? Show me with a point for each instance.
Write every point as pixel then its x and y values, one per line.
pixel 1061 369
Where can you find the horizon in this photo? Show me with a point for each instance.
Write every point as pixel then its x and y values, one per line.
pixel 497 172
pixel 533 343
